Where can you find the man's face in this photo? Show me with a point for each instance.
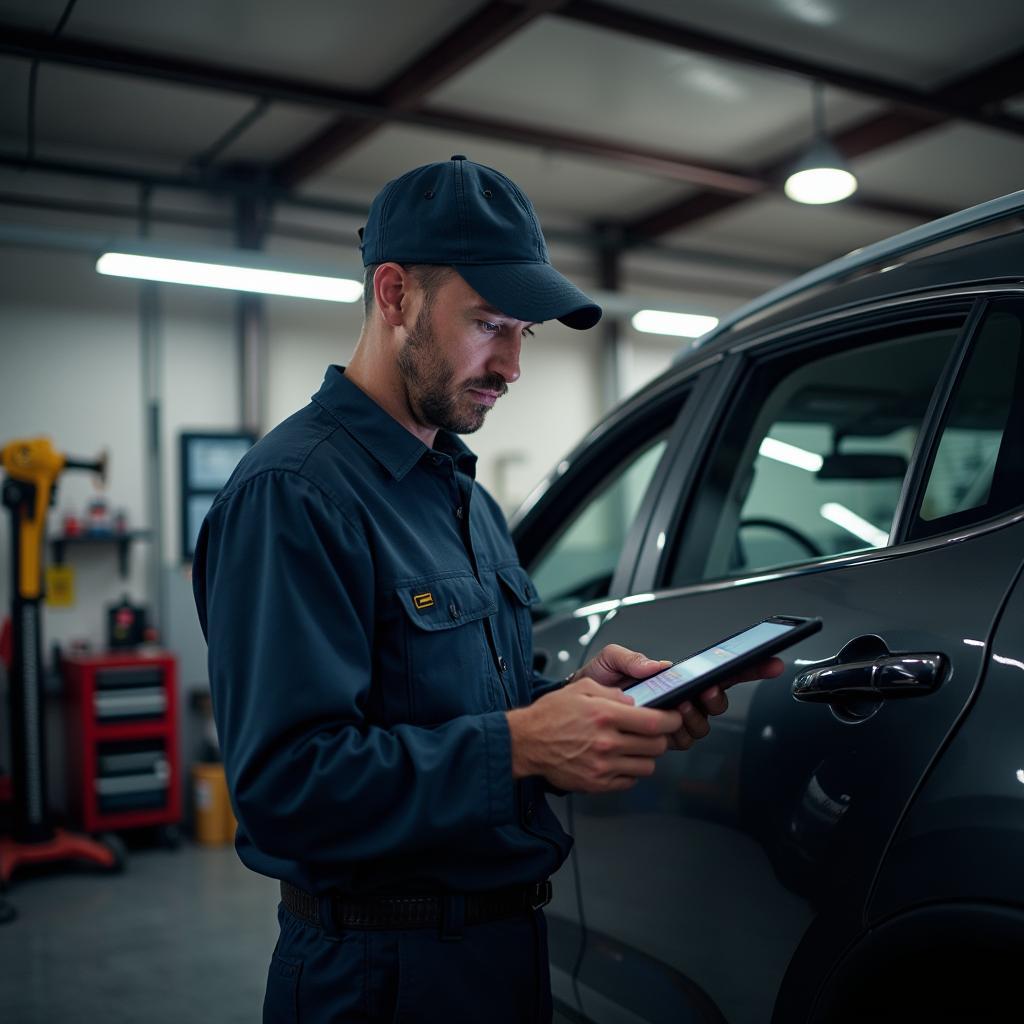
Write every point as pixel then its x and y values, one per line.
pixel 459 358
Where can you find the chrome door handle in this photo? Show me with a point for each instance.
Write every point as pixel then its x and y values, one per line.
pixel 896 675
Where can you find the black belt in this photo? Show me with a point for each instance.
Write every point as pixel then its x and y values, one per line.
pixel 388 912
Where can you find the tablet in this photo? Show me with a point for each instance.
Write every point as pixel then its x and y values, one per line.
pixel 704 669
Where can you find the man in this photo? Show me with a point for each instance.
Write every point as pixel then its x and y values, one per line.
pixel 386 742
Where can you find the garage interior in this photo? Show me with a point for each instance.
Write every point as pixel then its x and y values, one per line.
pixel 655 140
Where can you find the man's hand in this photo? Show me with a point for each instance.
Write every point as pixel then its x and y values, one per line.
pixel 620 667
pixel 588 736
pixel 713 701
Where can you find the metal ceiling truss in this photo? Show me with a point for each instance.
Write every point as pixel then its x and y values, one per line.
pixel 973 98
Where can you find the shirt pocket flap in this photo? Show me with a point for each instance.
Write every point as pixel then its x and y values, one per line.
pixel 445 603
pixel 517 579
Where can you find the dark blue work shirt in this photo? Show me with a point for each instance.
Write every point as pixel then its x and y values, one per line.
pixel 368 626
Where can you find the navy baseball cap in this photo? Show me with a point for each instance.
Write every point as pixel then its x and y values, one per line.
pixel 461 214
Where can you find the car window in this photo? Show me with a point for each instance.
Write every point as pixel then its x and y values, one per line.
pixel 812 459
pixel 978 470
pixel 578 565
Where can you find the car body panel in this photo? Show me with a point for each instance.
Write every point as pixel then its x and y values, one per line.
pixel 748 872
pixel 783 812
pixel 964 835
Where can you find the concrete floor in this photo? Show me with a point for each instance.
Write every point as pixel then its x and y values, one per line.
pixel 180 937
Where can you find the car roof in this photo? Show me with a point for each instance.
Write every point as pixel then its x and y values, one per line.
pixel 944 252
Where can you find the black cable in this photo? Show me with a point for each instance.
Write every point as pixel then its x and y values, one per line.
pixel 33 76
pixel 579 905
pixel 64 18
pixel 30 128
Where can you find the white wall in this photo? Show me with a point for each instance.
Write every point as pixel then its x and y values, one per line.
pixel 70 369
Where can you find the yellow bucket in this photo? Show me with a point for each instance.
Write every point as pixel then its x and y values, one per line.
pixel 214 820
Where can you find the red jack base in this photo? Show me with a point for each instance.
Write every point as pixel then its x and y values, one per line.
pixel 63 846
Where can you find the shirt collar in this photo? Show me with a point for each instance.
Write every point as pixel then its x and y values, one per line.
pixel 379 433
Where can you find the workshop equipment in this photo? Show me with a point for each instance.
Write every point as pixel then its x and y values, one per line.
pixel 33 467
pixel 126 624
pixel 215 822
pixel 121 711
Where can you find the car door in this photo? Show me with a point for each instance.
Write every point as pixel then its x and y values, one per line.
pixel 756 851
pixel 578 537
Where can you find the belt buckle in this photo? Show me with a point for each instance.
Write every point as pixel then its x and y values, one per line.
pixel 541 896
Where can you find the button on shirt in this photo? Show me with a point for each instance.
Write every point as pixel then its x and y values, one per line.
pixel 364 646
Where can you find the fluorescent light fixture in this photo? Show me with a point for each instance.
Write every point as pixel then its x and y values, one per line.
pixel 821 176
pixel 239 279
pixel 791 455
pixel 683 325
pixel 855 524
pixel 818 186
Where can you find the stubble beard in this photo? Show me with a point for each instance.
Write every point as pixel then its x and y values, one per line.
pixel 434 398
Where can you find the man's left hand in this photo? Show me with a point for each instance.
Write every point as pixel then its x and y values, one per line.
pixel 621 667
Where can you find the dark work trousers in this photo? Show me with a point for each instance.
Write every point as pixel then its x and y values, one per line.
pixel 495 972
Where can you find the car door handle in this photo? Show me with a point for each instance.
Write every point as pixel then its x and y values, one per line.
pixel 896 675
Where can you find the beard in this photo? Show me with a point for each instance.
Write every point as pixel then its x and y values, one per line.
pixel 429 377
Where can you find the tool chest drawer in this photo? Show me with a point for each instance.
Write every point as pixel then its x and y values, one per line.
pixel 122 739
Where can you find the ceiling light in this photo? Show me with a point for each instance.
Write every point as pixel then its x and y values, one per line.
pixel 821 175
pixel 855 524
pixel 683 325
pixel 235 278
pixel 791 455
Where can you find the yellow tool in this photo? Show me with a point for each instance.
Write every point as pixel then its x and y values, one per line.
pixel 36 462
pixel 32 468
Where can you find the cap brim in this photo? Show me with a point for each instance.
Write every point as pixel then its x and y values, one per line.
pixel 531 291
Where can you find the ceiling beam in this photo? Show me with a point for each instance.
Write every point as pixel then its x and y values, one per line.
pixel 230 187
pixel 951 103
pixel 868 135
pixel 985 87
pixel 361 106
pixel 481 32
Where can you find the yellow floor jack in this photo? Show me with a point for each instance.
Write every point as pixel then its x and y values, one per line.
pixel 29 488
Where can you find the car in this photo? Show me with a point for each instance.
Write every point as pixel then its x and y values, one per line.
pixel 847 842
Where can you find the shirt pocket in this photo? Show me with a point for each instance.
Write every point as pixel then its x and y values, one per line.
pixel 522 596
pixel 448 670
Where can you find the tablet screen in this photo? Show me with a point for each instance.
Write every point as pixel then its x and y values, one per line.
pixel 722 653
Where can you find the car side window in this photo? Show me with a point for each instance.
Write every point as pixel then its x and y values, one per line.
pixel 812 459
pixel 578 565
pixel 977 471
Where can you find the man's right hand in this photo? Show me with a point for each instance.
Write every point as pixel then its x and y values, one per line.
pixel 589 737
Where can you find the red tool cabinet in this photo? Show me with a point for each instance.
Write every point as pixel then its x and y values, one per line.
pixel 121 725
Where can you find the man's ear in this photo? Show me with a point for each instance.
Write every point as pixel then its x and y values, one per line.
pixel 392 292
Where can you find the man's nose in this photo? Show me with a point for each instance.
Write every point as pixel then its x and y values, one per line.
pixel 505 360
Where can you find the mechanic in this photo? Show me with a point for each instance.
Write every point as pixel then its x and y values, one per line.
pixel 386 742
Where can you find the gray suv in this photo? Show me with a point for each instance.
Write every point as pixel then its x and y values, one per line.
pixel 848 843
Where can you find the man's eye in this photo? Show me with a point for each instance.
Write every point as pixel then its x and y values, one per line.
pixel 488 326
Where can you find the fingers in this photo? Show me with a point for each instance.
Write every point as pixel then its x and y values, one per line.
pixel 713 701
pixel 695 722
pixel 618 784
pixel 767 669
pixel 595 689
pixel 617 660
pixel 643 746
pixel 632 767
pixel 644 721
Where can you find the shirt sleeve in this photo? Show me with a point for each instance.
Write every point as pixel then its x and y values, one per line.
pixel 283 586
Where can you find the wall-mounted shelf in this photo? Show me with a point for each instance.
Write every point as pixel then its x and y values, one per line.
pixel 122 540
